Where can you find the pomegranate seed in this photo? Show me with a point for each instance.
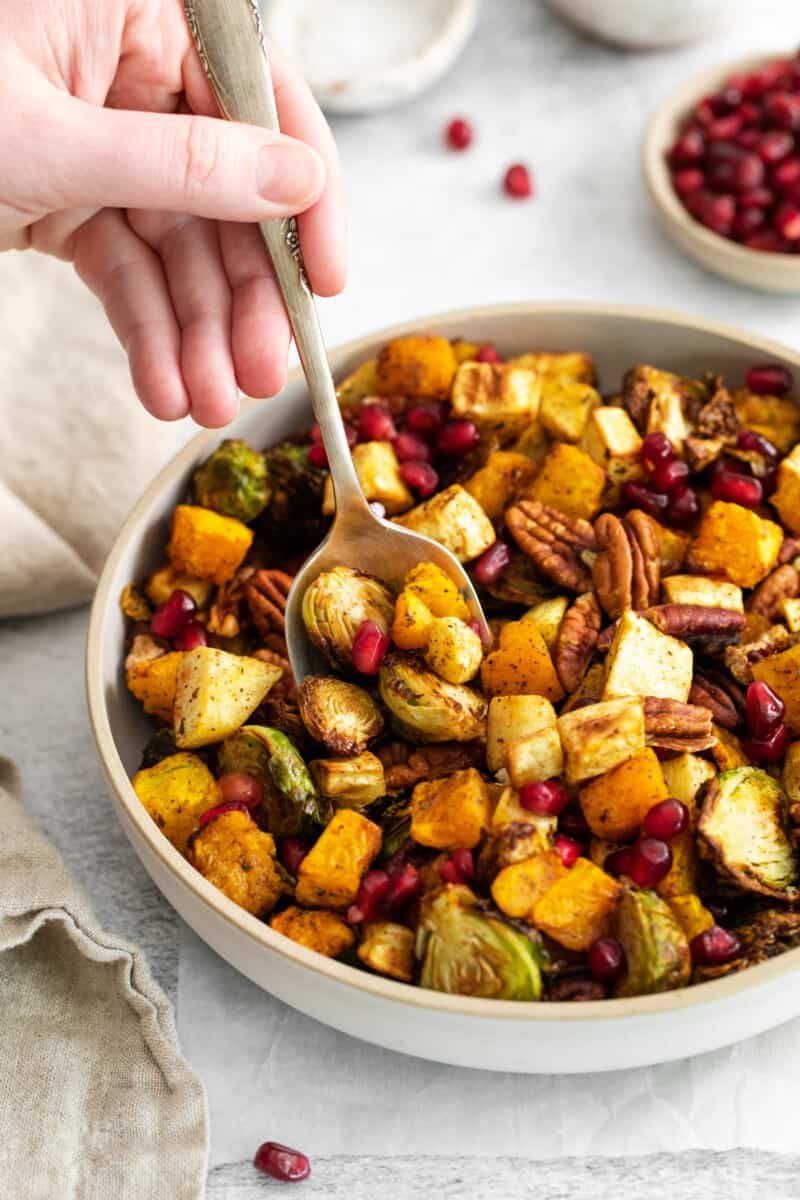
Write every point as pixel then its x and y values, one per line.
pixel 748 439
pixel 748 139
pixel 218 809
pixel 517 182
pixel 666 819
pixel 763 709
pixel 292 853
pixel 716 212
pixel 731 94
pixel 457 438
pixel 787 173
pixel 737 489
pixel 375 424
pixel 458 134
pixel 420 476
pixel 768 749
pixel 281 1162
pixel 750 114
pixel 767 241
pixel 489 354
pixel 787 222
pixel 371 894
pixel 547 799
pixel 425 419
pixel 369 648
pixel 651 859
pixel 619 863
pixel 747 222
pixel 684 507
pixel 173 615
pixel 568 850
pixel 239 788
pixel 606 959
pixel 708 109
pixel 760 197
pixel 768 379
pixel 410 448
pixel 464 861
pixel 723 152
pixel 448 871
pixel 404 886
pixel 724 127
pixel 493 563
pixel 688 149
pixel 769 481
pixel 783 109
pixel 317 456
pixel 636 495
pixel 714 946
pixel 667 476
pixel 573 823
pixel 774 146
pixel 688 180
pixel 656 449
pixel 190 637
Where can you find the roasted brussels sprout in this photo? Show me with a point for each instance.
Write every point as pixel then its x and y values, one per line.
pixel 291 802
pixel 160 745
pixel 350 782
pixel 425 708
pixel 233 481
pixel 340 715
pixel 655 945
pixel 743 829
pixel 467 953
pixel 337 603
pixel 292 522
pixel 388 948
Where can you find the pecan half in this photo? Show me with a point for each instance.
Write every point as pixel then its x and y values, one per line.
pixel 576 640
pixel 672 725
pixel 739 659
pixel 781 584
pixel 406 765
pixel 722 697
pixel 286 685
pixel 627 570
pixel 225 615
pixel 554 541
pixel 266 596
pixel 790 549
pixel 646 555
pixel 692 621
pixel 718 418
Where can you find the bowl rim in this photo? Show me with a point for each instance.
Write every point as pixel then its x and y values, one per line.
pixel 658 135
pixel 259 933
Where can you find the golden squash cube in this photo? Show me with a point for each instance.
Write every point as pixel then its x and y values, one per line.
pixel 176 792
pixel 566 407
pixel 378 473
pixel 511 718
pixel 436 590
pixel 538 756
pixel 601 736
pixel 521 665
pixel 496 394
pixel 412 621
pixel 330 874
pixel 570 481
pixel 782 673
pixel 500 480
pixel 778 419
pixel 518 888
pixel 574 366
pixel 692 915
pixel 154 683
pixel 703 590
pixel 643 661
pixel 735 542
pixel 450 812
pixel 206 545
pixel 455 520
pixel 579 908
pixel 615 804
pixel 786 497
pixel 419 365
pixel 672 547
pixel 316 929
pixel 357 386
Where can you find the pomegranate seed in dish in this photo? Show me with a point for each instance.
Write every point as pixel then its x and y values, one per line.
pixel 768 379
pixel 737 488
pixel 488 354
pixel 457 438
pixel 714 946
pixel 684 507
pixel 459 134
pixel 669 475
pixel 371 895
pixel 770 749
pixel 787 222
pixel 218 809
pixel 281 1162
pixel 369 648
pixel 410 448
pixel 425 419
pixel 420 476
pixel 174 615
pixel 548 799
pixel 403 888
pixel 190 637
pixel 774 146
pixel 666 819
pixel 375 424
pixel 688 149
pixel 317 455
pixel 619 863
pixel 748 439
pixel 636 495
pixel 656 450
pixel 292 853
pixel 687 180
pixel 568 849
pixel 651 859
pixel 763 709
pixel 464 862
pixel 606 959
pixel 238 788
pixel 493 563
pixel 517 182
pixel 783 109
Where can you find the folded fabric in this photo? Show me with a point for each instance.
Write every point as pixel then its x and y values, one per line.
pixel 95 1099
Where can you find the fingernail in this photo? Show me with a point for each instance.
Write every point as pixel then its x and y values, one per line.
pixel 290 174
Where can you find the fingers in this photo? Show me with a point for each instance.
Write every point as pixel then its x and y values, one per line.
pixel 259 326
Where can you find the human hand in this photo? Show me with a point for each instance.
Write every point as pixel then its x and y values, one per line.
pixel 111 157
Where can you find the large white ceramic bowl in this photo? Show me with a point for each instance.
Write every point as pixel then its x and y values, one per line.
pixel 491 1034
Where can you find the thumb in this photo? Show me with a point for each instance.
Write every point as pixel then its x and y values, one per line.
pixel 116 158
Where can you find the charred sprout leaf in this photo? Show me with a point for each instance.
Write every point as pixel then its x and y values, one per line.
pixel 161 745
pixel 394 817
pixel 655 945
pixel 291 801
pixel 340 715
pixel 743 829
pixel 349 782
pixel 233 481
pixel 388 948
pixel 467 953
pixel 337 603
pixel 292 523
pixel 425 708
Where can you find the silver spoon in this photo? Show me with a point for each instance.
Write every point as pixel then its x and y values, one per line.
pixel 230 41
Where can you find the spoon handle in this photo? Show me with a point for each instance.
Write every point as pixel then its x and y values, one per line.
pixel 230 41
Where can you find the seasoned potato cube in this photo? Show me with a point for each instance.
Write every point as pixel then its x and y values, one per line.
pixel 672 547
pixel 455 520
pixel 782 673
pixel 791 773
pixel 231 852
pixel 565 408
pixel 776 418
pixel 496 394
pixel 665 415
pixel 316 929
pixel 436 590
pixel 700 589
pixel 692 915
pixel 579 908
pixel 790 611
pixel 535 757
pixel 176 792
pixel 521 665
pixel 786 497
pixel 412 621
pixel 388 948
pixel 601 736
pixel 206 545
pixel 162 583
pixel 454 650
pixel 727 751
pixel 517 888
pixel 682 877
pixel 548 615
pixel 154 682
pixel 330 874
pixel 735 542
pixel 570 481
pixel 378 473
pixel 504 475
pixel 511 718
pixel 356 386
pixel 684 776
pixel 351 782
pixel 612 440
pixel 216 692
pixel 451 812
pixel 574 366
pixel 616 803
pixel 643 661
pixel 416 365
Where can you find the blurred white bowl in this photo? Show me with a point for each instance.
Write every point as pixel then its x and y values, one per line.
pixel 648 24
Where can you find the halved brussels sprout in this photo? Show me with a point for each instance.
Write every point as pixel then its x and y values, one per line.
pixel 291 802
pixel 467 953
pixel 743 829
pixel 233 481
pixel 655 945
pixel 337 603
pixel 350 782
pixel 425 708
pixel 388 948
pixel 292 522
pixel 340 715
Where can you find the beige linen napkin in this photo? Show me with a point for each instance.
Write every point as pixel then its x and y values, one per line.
pixel 95 1101
pixel 77 447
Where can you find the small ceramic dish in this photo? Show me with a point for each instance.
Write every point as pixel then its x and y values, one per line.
pixel 753 268
pixel 658 24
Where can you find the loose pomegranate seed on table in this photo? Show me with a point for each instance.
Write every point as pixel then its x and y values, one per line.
pixel 606 959
pixel 457 438
pixel 375 424
pixel 568 850
pixel 493 563
pixel 666 819
pixel 651 859
pixel 459 134
pixel 517 182
pixel 768 379
pixel 420 476
pixel 190 637
pixel 172 617
pixel 369 648
pixel 714 946
pixel 763 709
pixel 281 1162
pixel 239 788
pixel 545 798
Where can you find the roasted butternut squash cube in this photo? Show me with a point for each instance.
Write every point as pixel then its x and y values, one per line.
pixel 518 888
pixel 616 803
pixel 682 877
pixel 176 792
pixel 500 480
pixel 419 365
pixel 455 520
pixel 566 407
pixel 684 776
pixel 643 661
pixel 330 874
pixel 436 590
pixel 162 583
pixel 411 626
pixel 778 419
pixel 316 929
pixel 735 542
pixel 786 497
pixel 727 751
pixel 782 673
pixel 357 386
pixel 692 915
pixel 511 718
pixel 579 908
pixel 496 394
pixel 378 473
pixel 574 366
pixel 703 590
pixel 601 736
pixel 154 682
pixel 451 812
pixel 521 665
pixel 613 441
pixel 570 481
pixel 672 547
pixel 206 545
pixel 538 756
pixel 240 860
pixel 548 615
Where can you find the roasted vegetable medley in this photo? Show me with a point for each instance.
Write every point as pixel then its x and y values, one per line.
pixel 602 802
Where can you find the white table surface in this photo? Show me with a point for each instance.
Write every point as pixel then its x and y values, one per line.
pixel 431 232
